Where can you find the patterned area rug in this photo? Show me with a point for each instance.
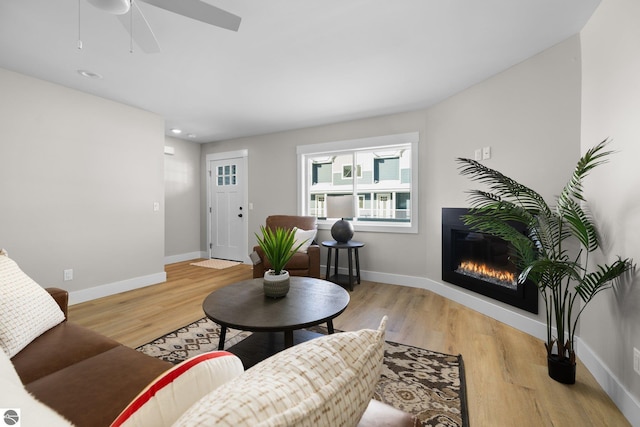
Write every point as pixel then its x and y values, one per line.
pixel 215 263
pixel 425 383
pixel 196 338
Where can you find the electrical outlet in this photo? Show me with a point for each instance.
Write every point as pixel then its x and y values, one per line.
pixel 68 274
pixel 486 153
pixel 636 360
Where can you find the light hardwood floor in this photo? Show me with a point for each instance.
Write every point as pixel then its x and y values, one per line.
pixel 507 382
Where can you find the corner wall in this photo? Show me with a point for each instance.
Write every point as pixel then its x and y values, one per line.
pixel 79 176
pixel 610 325
pixel 182 201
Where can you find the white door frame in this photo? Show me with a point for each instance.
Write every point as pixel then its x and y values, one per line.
pixel 243 155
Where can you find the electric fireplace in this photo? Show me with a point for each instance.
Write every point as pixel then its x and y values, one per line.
pixel 481 263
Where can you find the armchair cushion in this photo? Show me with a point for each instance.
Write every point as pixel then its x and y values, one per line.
pixel 304 237
pixel 27 310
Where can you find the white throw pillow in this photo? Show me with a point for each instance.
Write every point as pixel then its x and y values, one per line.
pixel 325 382
pixel 173 392
pixel 305 236
pixel 14 397
pixel 26 309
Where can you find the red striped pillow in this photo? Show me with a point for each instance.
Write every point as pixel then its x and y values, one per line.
pixel 163 401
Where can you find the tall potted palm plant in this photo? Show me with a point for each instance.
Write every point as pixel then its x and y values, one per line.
pixel 543 254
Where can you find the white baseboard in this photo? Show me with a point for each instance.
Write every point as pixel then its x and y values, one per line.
pixel 76 297
pixel 171 259
pixel 627 404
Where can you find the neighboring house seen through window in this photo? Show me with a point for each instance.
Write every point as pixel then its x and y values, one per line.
pixel 380 173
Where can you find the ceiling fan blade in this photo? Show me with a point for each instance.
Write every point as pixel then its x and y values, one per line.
pixel 142 33
pixel 195 9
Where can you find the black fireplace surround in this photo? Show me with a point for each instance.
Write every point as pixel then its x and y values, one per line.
pixel 480 262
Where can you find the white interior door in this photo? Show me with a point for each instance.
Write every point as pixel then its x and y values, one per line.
pixel 227 211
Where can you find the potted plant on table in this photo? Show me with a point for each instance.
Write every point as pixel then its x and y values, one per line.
pixel 543 254
pixel 278 247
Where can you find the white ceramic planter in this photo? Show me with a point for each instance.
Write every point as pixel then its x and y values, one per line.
pixel 276 285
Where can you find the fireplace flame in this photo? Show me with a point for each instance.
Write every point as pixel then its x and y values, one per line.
pixel 486 272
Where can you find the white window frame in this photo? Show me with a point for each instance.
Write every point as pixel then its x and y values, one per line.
pixel 305 151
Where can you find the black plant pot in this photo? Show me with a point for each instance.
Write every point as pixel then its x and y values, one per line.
pixel 561 369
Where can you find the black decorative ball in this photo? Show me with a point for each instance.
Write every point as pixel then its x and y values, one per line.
pixel 342 231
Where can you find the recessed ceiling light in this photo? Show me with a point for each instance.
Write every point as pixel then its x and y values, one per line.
pixel 89 74
pixel 191 135
pixel 176 131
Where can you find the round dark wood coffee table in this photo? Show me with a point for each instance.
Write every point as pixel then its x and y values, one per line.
pixel 244 306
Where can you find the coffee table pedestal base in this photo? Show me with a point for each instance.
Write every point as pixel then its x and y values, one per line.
pixel 261 345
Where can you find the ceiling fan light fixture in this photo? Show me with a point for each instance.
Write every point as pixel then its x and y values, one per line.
pixel 115 7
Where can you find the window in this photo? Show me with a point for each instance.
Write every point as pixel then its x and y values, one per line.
pixel 386 169
pixel 321 172
pixel 347 171
pixel 380 173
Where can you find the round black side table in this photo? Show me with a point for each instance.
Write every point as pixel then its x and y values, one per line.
pixel 352 247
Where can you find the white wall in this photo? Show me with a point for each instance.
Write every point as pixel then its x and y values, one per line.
pixel 273 181
pixel 529 115
pixel 78 179
pixel 611 108
pixel 182 201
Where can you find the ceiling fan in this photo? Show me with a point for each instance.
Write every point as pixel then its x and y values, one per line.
pixel 139 29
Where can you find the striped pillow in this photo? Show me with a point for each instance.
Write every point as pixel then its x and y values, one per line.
pixel 173 392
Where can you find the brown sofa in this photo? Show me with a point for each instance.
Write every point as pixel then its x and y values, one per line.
pixel 301 264
pixel 84 376
pixel 89 378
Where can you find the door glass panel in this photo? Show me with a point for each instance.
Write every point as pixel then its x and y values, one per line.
pixel 226 175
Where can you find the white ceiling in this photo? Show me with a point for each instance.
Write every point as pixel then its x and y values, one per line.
pixel 292 64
